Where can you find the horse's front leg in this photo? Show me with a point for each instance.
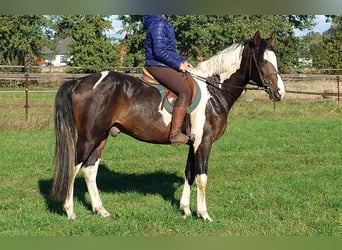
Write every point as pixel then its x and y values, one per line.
pixel 189 179
pixel 201 169
pixel 201 182
pixel 185 200
pixel 196 170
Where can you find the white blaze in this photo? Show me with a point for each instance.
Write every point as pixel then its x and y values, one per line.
pixel 271 57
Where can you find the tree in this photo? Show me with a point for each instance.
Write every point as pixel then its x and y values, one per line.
pixel 201 36
pixel 325 50
pixel 332 44
pixel 134 41
pixel 214 33
pixel 312 49
pixel 90 47
pixel 22 38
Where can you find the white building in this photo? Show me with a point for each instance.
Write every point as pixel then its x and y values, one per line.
pixel 61 58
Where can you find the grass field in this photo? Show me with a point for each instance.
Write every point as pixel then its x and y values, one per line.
pixel 272 173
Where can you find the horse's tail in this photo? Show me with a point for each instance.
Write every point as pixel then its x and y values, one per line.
pixel 65 142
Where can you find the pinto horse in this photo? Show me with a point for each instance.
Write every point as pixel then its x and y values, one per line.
pixel 96 105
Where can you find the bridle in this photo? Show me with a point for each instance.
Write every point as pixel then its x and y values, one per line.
pixel 262 77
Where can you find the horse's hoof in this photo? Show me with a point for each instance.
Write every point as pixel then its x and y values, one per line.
pixel 69 212
pixel 205 216
pixel 186 210
pixel 72 216
pixel 103 212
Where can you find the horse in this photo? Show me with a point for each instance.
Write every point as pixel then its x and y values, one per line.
pixel 107 103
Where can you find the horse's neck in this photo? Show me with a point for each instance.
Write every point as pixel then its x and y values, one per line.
pixel 233 87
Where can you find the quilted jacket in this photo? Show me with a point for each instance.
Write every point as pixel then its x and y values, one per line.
pixel 160 43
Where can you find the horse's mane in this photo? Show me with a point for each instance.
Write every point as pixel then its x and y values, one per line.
pixel 224 63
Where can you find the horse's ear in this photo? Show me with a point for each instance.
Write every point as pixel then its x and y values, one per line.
pixel 257 39
pixel 272 38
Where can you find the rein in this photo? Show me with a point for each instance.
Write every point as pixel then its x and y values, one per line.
pixel 217 84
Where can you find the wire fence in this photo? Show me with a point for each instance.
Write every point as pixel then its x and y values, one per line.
pixel 299 87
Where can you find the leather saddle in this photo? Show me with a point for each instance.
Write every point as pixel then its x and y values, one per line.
pixel 168 96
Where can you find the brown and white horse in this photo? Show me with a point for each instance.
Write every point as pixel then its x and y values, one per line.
pixel 109 102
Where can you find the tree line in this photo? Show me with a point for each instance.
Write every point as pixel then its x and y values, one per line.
pixel 23 37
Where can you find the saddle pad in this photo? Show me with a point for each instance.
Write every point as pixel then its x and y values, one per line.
pixel 167 104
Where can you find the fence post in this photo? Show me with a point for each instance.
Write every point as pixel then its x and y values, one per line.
pixel 338 90
pixel 26 104
pixel 26 96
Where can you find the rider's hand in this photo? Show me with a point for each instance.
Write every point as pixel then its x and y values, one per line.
pixel 185 66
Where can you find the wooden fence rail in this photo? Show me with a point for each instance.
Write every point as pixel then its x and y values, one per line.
pixel 44 77
pixel 25 79
pixel 51 79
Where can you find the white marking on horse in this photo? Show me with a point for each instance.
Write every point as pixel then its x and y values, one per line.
pixel 90 173
pixel 271 57
pixel 69 203
pixel 201 182
pixel 165 114
pixel 225 63
pixel 185 200
pixel 103 75
pixel 197 116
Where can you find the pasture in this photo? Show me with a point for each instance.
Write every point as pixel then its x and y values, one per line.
pixel 272 173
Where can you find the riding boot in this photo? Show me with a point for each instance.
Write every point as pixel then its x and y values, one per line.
pixel 179 111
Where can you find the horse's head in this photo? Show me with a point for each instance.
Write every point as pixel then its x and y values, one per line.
pixel 260 66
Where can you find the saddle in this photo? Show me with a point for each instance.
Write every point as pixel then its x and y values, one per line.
pixel 168 95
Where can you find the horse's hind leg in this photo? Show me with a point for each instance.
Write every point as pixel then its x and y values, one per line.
pixel 90 172
pixel 69 204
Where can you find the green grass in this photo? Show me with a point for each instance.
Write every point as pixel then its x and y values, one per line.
pixel 272 173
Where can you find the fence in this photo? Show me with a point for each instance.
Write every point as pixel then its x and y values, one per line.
pixel 324 86
pixel 299 87
pixel 50 76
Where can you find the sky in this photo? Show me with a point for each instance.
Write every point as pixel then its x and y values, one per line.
pixel 320 27
pixel 116 27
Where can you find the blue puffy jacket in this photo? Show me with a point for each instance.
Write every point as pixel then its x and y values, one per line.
pixel 160 42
